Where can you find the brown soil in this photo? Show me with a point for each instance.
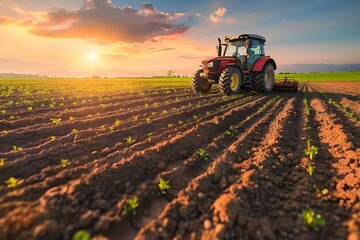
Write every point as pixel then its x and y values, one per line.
pixel 253 184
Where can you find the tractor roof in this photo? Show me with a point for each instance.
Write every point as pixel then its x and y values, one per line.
pixel 246 36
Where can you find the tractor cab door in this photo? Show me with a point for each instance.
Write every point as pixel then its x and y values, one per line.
pixel 255 51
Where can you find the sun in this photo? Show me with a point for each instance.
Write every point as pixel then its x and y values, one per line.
pixel 91 56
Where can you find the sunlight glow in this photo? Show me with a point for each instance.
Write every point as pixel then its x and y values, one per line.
pixel 92 57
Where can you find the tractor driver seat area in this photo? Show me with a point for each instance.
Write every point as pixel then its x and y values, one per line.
pixel 251 58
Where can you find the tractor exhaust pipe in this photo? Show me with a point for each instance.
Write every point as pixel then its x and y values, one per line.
pixel 219 47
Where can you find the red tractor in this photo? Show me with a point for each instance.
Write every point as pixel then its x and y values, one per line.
pixel 242 64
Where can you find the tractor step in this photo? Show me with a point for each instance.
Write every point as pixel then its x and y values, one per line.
pixel 247 81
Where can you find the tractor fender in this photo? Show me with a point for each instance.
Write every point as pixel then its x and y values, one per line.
pixel 235 65
pixel 260 63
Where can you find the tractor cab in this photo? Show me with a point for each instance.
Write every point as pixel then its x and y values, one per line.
pixel 246 48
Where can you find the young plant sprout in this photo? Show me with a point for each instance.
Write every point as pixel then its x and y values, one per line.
pixel 81 235
pixel 135 118
pixel 13 182
pixel 232 131
pixel 131 206
pixel 313 220
pixel 117 122
pixel 56 121
pixel 311 150
pixel 163 185
pixel 130 140
pixel 65 162
pixel 203 154
pixel 75 132
pixel 2 161
pixel 310 169
pixel 16 148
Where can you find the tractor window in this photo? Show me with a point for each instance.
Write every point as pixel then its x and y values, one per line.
pixel 257 48
pixel 237 46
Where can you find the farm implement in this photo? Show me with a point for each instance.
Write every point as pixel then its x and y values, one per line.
pixel 242 65
pixel 286 84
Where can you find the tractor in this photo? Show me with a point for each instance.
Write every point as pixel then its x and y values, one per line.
pixel 242 65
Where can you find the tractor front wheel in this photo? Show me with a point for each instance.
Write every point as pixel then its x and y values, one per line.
pixel 230 81
pixel 200 84
pixel 264 80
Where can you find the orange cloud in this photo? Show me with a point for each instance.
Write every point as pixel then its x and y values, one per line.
pixel 100 21
pixel 217 15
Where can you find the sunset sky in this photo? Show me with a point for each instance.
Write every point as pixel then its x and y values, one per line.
pixel 138 38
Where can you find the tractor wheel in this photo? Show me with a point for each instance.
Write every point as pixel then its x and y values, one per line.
pixel 200 84
pixel 230 81
pixel 264 80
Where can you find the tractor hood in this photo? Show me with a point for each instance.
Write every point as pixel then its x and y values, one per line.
pixel 221 58
pixel 215 65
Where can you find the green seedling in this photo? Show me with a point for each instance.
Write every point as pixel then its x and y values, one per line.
pixel 81 235
pixel 131 206
pixel 16 148
pixel 195 117
pixel 170 125
pixel 13 182
pixel 149 134
pixel 65 162
pixel 181 122
pixel 135 118
pixel 203 154
pixel 310 169
pixel 117 122
pixel 163 185
pixel 232 131
pixel 29 108
pixel 75 132
pixel 111 128
pixel 56 121
pixel 71 118
pixel 130 140
pixel 148 120
pixel 313 220
pixel 311 150
pixel 2 161
pixel 52 138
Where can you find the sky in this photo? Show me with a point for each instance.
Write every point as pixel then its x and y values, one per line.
pixel 137 38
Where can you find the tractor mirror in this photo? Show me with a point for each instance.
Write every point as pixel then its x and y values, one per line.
pixel 248 43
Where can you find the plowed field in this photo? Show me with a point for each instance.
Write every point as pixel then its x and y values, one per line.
pixel 74 158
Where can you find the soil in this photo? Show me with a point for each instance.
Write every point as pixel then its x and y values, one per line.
pixel 251 183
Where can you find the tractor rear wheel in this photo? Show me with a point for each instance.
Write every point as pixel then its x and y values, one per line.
pixel 264 80
pixel 230 81
pixel 200 84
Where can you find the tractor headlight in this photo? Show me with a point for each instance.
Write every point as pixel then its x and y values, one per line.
pixel 210 64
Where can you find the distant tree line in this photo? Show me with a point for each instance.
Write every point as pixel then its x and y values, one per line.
pixel 20 75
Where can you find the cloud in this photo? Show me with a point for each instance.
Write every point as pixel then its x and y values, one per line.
pixel 217 16
pixel 100 21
